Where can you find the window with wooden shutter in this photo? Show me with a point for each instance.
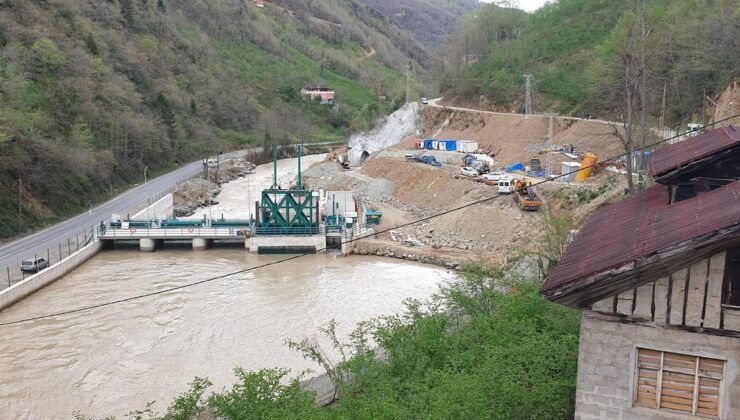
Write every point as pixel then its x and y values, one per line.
pixel 679 382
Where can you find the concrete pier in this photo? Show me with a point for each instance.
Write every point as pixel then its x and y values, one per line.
pixel 266 243
pixel 147 244
pixel 200 244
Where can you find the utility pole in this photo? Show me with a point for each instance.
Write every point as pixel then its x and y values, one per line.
pixel 703 109
pixel 661 123
pixel 548 164
pixel 714 109
pixel 210 197
pixel 249 200
pixel 528 95
pixel 408 84
pixel 20 199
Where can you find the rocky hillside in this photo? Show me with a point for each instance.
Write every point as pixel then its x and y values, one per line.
pixel 94 91
pixel 431 21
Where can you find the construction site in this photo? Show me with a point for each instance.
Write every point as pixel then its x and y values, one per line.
pixel 406 172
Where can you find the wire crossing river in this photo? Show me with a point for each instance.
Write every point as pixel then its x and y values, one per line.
pixel 111 360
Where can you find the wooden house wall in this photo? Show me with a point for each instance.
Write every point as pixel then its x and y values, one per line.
pixel 690 297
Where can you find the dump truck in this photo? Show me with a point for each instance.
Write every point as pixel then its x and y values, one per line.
pixel 524 195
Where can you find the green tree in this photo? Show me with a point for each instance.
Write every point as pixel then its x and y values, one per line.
pixel 46 55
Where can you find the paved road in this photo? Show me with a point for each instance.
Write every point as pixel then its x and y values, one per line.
pixel 47 241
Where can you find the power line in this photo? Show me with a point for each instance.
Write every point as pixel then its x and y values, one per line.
pixel 294 257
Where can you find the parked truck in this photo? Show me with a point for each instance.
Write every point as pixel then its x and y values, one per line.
pixel 524 195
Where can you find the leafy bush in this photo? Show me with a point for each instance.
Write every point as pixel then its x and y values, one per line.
pixel 496 350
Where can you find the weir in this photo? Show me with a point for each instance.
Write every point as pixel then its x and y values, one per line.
pixel 287 219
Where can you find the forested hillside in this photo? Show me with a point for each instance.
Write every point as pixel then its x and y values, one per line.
pixel 585 54
pixel 93 91
pixel 431 21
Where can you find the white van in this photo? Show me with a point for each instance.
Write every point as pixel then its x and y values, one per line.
pixel 505 185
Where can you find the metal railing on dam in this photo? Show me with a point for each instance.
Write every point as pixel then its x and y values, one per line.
pixel 175 233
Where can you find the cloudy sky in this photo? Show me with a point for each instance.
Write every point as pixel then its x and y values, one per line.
pixel 528 5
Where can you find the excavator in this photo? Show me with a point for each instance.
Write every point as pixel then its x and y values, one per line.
pixel 524 195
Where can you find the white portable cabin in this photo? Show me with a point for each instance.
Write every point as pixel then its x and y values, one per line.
pixel 571 169
pixel 467 146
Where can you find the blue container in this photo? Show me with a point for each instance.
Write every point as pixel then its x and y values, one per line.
pixel 450 145
pixel 427 144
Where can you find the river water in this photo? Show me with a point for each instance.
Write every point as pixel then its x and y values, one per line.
pixel 236 199
pixel 111 360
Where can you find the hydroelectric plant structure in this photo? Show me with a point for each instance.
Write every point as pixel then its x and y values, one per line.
pixel 288 219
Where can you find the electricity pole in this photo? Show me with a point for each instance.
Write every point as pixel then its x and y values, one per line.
pixel 528 95
pixel 548 164
pixel 20 199
pixel 408 84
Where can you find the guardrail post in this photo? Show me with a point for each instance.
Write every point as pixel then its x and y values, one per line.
pixel 60 251
pixel 8 276
pixel 48 256
pixel 77 239
pixel 69 248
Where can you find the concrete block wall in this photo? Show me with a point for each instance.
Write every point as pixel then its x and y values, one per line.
pixel 606 366
pixel 42 279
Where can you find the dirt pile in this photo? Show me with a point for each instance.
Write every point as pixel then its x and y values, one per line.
pixel 330 176
pixel 517 139
pixel 421 190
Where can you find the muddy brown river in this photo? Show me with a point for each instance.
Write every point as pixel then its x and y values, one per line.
pixel 111 360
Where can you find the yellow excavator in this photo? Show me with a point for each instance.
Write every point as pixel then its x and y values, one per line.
pixel 524 195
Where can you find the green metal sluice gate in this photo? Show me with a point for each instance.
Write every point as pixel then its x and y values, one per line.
pixel 293 212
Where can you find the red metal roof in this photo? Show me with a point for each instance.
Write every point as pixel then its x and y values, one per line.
pixel 640 226
pixel 679 154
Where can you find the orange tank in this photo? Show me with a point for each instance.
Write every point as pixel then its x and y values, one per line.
pixel 587 166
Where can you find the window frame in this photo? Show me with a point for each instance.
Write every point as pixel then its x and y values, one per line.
pixel 659 382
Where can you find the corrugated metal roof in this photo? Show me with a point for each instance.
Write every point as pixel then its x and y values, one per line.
pixel 640 226
pixel 679 154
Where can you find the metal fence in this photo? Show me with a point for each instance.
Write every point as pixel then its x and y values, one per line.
pixel 53 255
pixel 66 247
pixel 175 233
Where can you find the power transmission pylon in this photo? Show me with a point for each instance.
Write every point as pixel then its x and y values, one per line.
pixel 528 95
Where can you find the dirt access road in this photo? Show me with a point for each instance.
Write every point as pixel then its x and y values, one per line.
pixel 435 104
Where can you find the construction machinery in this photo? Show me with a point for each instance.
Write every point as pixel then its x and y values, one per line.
pixel 524 195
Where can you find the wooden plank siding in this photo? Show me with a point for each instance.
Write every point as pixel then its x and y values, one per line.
pixel 689 298
pixel 679 382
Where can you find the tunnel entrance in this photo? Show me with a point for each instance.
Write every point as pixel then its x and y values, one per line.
pixel 364 157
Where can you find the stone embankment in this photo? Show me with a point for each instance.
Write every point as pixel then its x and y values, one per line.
pixel 404 253
pixel 193 194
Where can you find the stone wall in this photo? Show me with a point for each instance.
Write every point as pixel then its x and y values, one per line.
pixel 606 366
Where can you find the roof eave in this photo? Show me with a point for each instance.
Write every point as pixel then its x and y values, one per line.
pixel 589 290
